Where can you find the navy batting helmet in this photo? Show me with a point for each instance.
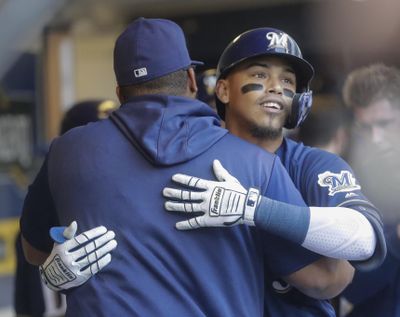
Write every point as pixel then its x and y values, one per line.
pixel 269 41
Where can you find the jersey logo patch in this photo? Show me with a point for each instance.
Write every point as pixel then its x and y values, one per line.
pixel 338 183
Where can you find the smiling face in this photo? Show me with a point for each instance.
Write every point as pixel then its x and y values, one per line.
pixel 258 95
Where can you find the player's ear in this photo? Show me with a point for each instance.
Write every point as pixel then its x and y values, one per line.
pixel 119 95
pixel 192 84
pixel 222 90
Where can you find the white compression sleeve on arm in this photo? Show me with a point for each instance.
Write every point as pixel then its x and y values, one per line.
pixel 341 233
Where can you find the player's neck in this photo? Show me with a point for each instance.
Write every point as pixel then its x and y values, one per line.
pixel 270 144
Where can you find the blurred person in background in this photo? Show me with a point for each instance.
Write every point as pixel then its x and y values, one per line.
pixel 206 81
pixel 373 94
pixel 327 126
pixel 31 297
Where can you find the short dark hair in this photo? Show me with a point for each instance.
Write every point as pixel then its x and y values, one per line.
pixel 174 84
pixel 371 83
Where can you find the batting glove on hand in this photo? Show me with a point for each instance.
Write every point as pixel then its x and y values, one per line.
pixel 74 260
pixel 223 203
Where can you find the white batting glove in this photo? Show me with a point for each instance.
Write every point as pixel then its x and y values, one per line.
pixel 224 203
pixel 74 260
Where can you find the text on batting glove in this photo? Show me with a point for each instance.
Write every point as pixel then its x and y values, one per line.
pixel 223 203
pixel 74 261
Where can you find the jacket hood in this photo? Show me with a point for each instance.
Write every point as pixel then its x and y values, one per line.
pixel 168 129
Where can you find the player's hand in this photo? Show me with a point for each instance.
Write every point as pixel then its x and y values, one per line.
pixel 74 260
pixel 223 203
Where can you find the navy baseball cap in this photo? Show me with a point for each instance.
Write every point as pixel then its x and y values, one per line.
pixel 148 49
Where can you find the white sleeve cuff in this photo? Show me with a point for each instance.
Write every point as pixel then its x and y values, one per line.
pixel 341 233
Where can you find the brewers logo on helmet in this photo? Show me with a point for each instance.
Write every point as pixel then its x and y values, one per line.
pixel 269 41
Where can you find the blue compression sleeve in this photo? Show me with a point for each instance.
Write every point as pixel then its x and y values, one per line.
pixel 283 220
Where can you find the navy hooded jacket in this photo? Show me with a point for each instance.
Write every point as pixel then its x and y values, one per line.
pixel 112 173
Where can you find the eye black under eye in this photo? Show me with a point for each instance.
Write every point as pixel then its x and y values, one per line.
pixel 288 81
pixel 251 87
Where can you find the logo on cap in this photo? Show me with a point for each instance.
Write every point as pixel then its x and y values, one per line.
pixel 140 72
pixel 277 40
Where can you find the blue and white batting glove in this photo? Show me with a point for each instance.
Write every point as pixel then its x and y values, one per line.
pixel 224 202
pixel 75 259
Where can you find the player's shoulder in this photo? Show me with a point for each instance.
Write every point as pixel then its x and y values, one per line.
pixel 89 130
pixel 308 164
pixel 303 154
pixel 239 145
pixel 84 134
pixel 246 159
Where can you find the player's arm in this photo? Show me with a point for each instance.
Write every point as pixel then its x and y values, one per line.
pixel 38 216
pixel 373 217
pixel 336 232
pixel 67 260
pixel 322 279
pixel 33 255
pixel 329 181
